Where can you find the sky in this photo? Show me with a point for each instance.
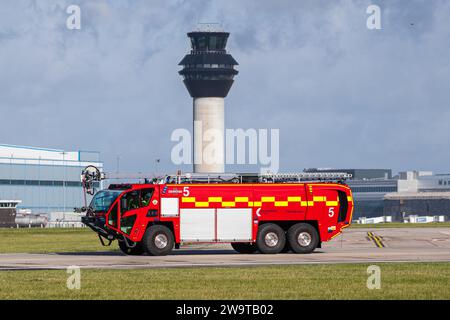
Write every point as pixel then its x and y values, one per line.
pixel 342 96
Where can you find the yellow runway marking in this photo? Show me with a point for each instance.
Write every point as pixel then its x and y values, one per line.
pixel 376 239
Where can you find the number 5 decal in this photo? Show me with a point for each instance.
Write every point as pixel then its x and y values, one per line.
pixel 185 191
pixel 331 212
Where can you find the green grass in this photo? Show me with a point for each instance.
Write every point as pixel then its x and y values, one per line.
pixel 38 240
pixel 402 225
pixel 345 281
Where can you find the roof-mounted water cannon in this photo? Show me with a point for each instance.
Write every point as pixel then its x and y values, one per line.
pixel 89 175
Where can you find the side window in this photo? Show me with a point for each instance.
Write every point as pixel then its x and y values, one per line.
pixel 129 201
pixel 112 219
pixel 146 196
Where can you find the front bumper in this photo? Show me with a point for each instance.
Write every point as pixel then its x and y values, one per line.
pixel 98 226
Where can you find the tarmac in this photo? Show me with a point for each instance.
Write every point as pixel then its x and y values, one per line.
pixel 355 245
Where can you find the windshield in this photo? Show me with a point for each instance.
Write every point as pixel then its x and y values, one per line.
pixel 103 200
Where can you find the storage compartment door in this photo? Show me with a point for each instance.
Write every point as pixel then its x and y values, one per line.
pixel 197 225
pixel 234 225
pixel 169 207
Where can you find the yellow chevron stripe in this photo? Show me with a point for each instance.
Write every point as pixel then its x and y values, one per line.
pixel 290 199
pixel 281 203
pixel 202 204
pixel 228 204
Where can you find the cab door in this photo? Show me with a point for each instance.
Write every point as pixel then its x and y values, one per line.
pixel 135 207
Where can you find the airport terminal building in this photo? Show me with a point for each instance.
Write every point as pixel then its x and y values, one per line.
pixel 369 186
pixel 411 193
pixel 43 180
pixel 420 193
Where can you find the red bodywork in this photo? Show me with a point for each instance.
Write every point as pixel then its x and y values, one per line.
pixel 327 206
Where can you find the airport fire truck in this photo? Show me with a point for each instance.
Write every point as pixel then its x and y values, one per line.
pixel 268 213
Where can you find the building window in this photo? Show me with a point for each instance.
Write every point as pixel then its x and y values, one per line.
pixel 374 189
pixel 44 183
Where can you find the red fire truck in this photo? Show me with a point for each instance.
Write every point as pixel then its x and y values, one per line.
pixel 265 213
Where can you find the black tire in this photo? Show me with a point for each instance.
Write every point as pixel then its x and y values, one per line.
pixel 243 247
pixel 158 240
pixel 135 251
pixel 267 233
pixel 310 238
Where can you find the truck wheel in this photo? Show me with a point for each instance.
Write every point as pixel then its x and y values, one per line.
pixel 243 247
pixel 136 251
pixel 270 239
pixel 303 238
pixel 158 240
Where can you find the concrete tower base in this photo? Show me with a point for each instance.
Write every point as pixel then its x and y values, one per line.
pixel 209 135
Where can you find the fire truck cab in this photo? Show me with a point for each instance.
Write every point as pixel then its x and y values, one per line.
pixel 266 214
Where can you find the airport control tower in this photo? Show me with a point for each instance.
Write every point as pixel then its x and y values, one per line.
pixel 208 72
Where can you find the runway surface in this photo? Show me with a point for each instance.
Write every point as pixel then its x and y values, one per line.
pixel 353 246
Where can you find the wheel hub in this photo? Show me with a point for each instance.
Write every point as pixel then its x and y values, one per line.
pixel 304 239
pixel 271 239
pixel 161 241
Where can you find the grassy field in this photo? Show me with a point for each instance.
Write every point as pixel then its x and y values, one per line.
pixel 346 281
pixel 50 240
